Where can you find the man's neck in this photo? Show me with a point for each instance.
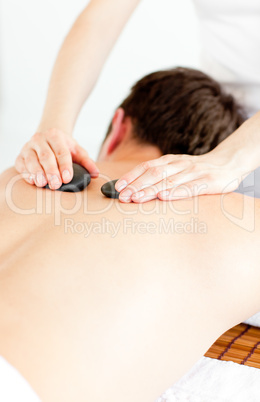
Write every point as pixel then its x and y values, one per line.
pixel 125 158
pixel 132 152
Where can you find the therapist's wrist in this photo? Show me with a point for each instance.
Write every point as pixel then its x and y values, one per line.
pixel 240 151
pixel 234 160
pixel 54 126
pixel 245 143
pixel 58 121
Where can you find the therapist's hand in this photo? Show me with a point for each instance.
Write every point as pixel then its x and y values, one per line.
pixel 174 177
pixel 47 158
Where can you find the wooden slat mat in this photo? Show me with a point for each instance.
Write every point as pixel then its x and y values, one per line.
pixel 240 344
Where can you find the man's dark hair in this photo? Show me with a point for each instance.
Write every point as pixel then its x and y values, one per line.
pixel 181 110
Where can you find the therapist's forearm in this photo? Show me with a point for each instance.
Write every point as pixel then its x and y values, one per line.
pixel 80 60
pixel 243 145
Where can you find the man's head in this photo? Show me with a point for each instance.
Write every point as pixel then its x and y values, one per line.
pixel 178 111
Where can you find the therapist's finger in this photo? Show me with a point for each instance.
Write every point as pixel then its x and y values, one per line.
pixel 184 191
pixel 80 156
pixel 63 156
pixel 44 164
pixel 20 167
pixel 170 182
pixel 33 166
pixel 141 169
pixel 157 176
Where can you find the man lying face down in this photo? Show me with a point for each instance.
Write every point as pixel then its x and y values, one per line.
pixel 180 111
pixel 99 299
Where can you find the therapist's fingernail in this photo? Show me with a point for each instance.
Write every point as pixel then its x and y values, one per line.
pixel 95 173
pixel 120 185
pixel 41 181
pixel 127 193
pixel 138 195
pixel 31 179
pixel 125 199
pixel 55 181
pixel 66 175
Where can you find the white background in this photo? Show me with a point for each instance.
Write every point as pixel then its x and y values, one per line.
pixel 160 34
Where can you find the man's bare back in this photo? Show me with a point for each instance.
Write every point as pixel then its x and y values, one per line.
pixel 96 301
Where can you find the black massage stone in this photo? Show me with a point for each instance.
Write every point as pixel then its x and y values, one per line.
pixel 81 179
pixel 108 189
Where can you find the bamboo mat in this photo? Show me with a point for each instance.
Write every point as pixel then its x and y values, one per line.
pixel 240 344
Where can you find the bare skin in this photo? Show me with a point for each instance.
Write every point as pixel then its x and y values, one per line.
pixel 102 317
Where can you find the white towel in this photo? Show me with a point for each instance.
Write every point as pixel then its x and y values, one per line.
pixel 13 387
pixel 254 320
pixel 212 380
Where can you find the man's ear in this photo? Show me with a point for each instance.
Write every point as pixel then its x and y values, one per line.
pixel 117 132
